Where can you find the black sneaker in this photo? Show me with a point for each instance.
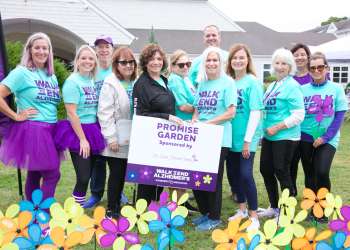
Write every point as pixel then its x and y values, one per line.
pixel 322 220
pixel 190 208
pixel 110 214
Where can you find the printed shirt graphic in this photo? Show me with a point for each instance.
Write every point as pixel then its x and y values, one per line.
pixel 250 97
pixel 100 78
pixel 184 93
pixel 128 86
pixel 279 100
pixel 35 89
pixel 80 90
pixel 321 102
pixel 213 98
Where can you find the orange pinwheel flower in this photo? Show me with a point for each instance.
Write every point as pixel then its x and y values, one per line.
pixel 63 242
pixel 92 225
pixel 229 237
pixel 16 227
pixel 316 202
pixel 309 241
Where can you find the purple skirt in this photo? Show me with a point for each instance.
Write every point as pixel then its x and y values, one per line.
pixel 30 145
pixel 65 137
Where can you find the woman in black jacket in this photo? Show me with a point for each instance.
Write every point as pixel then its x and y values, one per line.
pixel 153 98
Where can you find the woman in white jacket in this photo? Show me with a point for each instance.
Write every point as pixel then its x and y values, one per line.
pixel 114 114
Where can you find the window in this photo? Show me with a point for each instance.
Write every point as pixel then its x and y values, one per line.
pixel 266 71
pixel 340 74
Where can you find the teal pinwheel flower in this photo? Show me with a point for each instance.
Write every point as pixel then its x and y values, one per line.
pixel 35 239
pixel 339 243
pixel 167 228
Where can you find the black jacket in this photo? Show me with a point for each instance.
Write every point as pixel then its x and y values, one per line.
pixel 151 99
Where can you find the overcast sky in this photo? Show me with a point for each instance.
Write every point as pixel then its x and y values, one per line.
pixel 284 15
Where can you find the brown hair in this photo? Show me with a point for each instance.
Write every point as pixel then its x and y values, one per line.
pixel 126 53
pixel 318 55
pixel 148 52
pixel 234 49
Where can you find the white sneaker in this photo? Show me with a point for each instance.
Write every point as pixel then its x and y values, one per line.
pixel 239 213
pixel 255 225
pixel 269 213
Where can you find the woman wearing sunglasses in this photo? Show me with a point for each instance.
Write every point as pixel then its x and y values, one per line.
pixel 114 111
pixel 325 106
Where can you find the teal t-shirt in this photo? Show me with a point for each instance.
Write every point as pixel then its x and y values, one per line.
pixel 279 100
pixel 193 73
pixel 100 78
pixel 184 93
pixel 80 90
pixel 321 102
pixel 213 98
pixel 35 89
pixel 250 97
pixel 161 82
pixel 128 86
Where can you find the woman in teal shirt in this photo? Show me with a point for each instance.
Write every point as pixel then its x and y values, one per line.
pixel 283 113
pixel 81 133
pixel 245 131
pixel 215 103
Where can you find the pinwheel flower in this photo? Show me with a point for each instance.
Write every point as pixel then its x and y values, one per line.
pixel 11 212
pixel 342 224
pixel 14 228
pixel 167 228
pixel 309 241
pixel 117 234
pixel 333 206
pixel 139 216
pixel 163 201
pixel 241 245
pixel 35 240
pixel 228 238
pixel 37 207
pixel 270 240
pixel 316 202
pixel 63 241
pixel 179 210
pixel 286 202
pixel 92 225
pixel 7 246
pixel 291 223
pixel 141 247
pixel 339 243
pixel 67 217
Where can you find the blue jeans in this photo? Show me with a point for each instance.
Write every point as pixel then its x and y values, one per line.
pixel 98 177
pixel 241 175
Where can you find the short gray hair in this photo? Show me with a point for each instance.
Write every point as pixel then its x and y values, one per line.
pixel 287 57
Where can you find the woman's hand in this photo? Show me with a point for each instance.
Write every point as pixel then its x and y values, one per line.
pixel 26 114
pixel 114 146
pixel 272 130
pixel 318 142
pixel 84 148
pixel 176 120
pixel 246 151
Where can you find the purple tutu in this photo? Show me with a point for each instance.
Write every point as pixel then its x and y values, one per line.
pixel 30 145
pixel 66 138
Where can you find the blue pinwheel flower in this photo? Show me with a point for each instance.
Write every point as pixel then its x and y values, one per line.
pixel 147 247
pixel 338 243
pixel 241 245
pixel 38 207
pixel 34 240
pixel 167 228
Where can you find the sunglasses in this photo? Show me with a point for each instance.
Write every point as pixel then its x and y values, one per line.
pixel 319 68
pixel 182 65
pixel 124 63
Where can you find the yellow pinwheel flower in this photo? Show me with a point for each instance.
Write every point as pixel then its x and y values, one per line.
pixel 6 246
pixel 139 216
pixel 179 210
pixel 269 240
pixel 92 225
pixel 66 217
pixel 309 241
pixel 333 206
pixel 316 202
pixel 11 212
pixel 229 237
pixel 63 241
pixel 290 223
pixel 15 227
pixel 286 202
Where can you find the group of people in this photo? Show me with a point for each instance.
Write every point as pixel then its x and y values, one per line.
pixel 298 117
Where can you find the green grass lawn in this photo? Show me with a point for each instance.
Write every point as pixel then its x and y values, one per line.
pixel 340 176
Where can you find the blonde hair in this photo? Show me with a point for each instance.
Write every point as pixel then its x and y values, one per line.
pixel 77 56
pixel 175 56
pixel 202 75
pixel 27 59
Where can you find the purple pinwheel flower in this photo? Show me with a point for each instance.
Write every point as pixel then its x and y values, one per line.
pixel 38 206
pixel 163 202
pixel 117 234
pixel 342 224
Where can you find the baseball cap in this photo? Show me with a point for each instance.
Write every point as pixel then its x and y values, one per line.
pixel 105 38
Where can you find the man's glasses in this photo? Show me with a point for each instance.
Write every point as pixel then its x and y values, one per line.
pixel 124 63
pixel 319 68
pixel 182 65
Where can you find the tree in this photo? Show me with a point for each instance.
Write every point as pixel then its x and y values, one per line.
pixel 152 37
pixel 333 19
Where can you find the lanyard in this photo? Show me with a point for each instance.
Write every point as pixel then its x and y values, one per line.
pixel 270 94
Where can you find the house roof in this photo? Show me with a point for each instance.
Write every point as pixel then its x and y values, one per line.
pixel 341 25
